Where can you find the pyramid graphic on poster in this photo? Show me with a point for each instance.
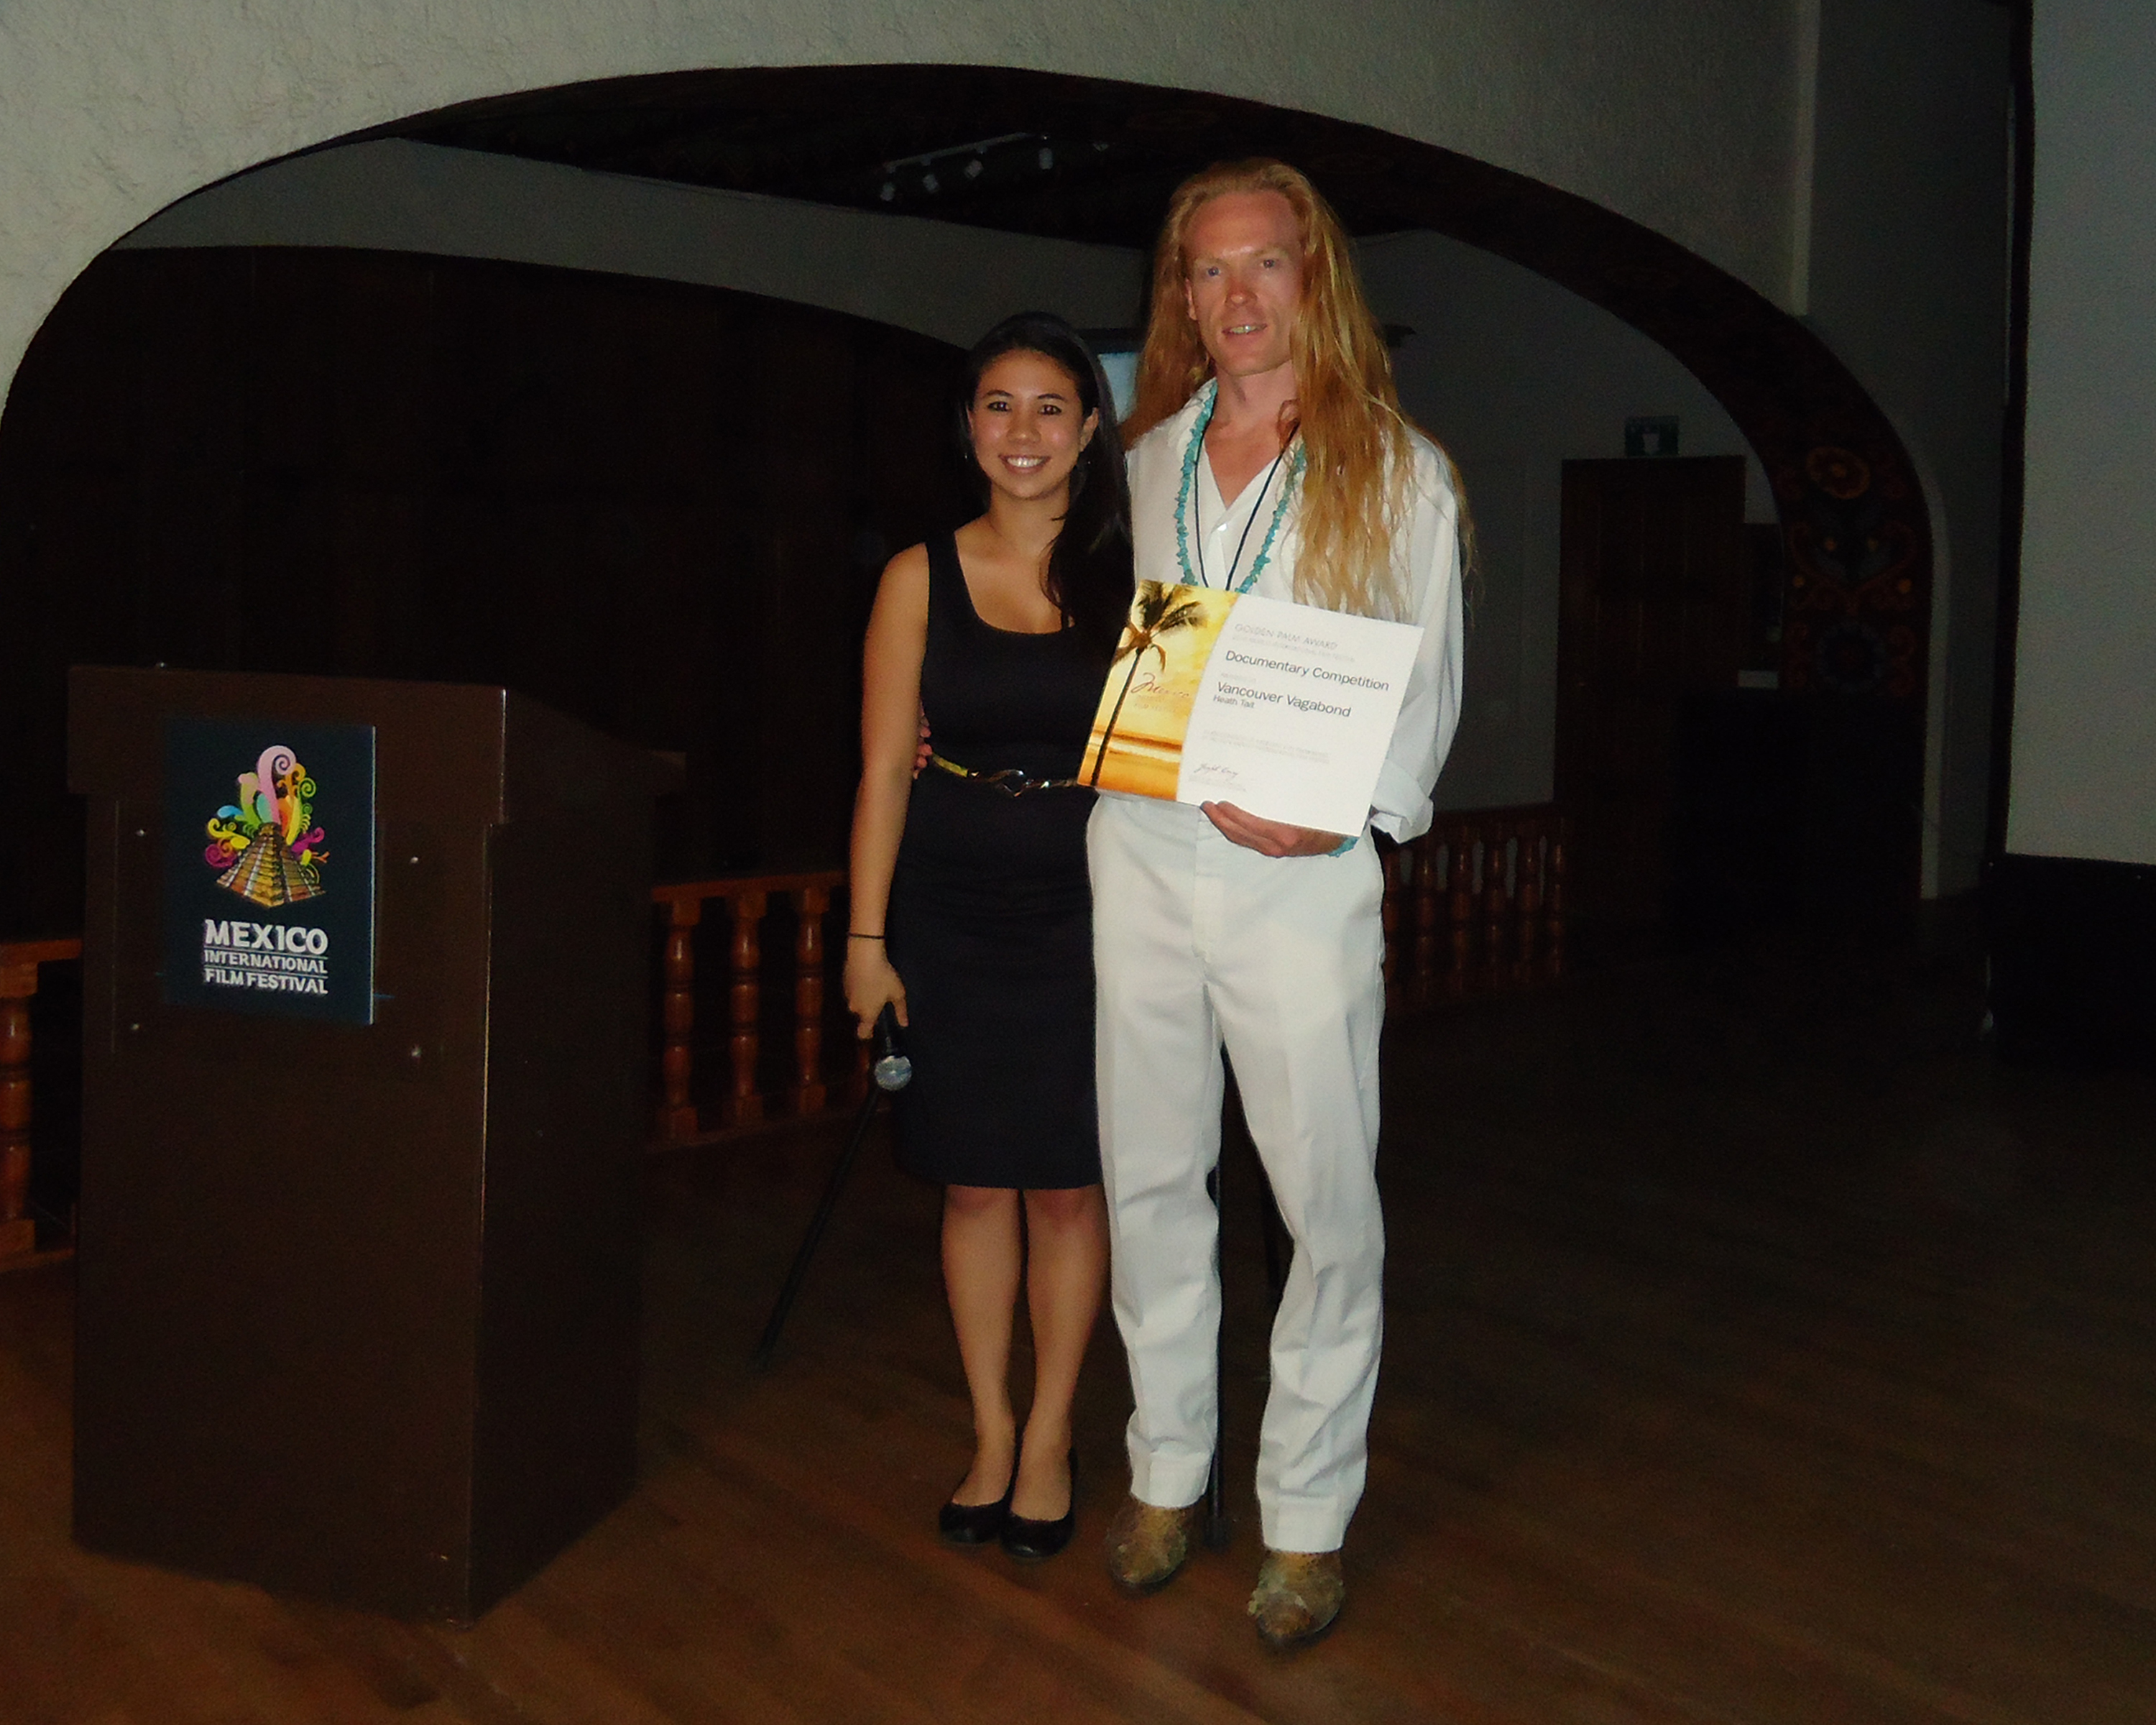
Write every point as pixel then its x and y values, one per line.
pixel 267 872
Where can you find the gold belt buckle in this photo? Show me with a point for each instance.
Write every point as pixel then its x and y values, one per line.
pixel 1012 783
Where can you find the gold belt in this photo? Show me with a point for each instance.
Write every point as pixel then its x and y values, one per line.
pixel 1009 780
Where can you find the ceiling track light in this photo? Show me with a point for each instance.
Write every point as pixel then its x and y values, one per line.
pixel 897 172
pixel 979 147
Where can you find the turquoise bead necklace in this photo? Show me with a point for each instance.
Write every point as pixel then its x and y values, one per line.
pixel 1208 399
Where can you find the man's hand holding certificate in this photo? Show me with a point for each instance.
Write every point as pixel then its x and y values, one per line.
pixel 1285 711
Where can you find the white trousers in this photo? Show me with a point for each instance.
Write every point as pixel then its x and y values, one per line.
pixel 1200 942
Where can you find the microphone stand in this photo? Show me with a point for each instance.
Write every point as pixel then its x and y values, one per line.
pixel 891 1074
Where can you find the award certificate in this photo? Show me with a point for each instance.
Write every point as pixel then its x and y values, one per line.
pixel 1285 711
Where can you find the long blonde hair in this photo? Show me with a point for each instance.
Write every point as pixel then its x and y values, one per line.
pixel 1360 464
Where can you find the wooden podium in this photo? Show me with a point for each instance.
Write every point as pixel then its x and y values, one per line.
pixel 358 1301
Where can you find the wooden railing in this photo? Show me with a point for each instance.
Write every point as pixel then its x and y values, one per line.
pixel 19 964
pixel 1476 906
pixel 746 902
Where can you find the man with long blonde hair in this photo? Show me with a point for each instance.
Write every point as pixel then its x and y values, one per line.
pixel 1268 454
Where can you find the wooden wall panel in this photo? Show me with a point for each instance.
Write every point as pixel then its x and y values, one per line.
pixel 660 508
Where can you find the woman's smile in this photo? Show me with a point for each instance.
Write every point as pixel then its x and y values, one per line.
pixel 1028 423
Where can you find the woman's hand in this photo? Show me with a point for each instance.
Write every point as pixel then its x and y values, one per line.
pixel 870 984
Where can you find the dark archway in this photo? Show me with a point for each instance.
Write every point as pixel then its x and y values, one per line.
pixel 1095 160
pixel 1075 158
pixel 1092 159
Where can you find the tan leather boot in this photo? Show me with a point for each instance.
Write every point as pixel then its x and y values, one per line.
pixel 1147 1545
pixel 1299 1595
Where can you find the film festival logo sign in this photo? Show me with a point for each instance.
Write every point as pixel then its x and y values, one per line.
pixel 257 914
pixel 268 850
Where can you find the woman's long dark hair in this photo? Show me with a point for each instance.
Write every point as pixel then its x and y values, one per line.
pixel 1089 570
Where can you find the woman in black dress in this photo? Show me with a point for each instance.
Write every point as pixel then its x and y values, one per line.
pixel 972 913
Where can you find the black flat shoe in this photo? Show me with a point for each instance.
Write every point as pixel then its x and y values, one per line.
pixel 1032 1541
pixel 977 1523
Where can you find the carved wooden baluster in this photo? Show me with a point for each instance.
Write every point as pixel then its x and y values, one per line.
pixel 1399 928
pixel 1496 905
pixel 1433 885
pixel 1527 900
pixel 1553 905
pixel 744 1107
pixel 1396 864
pixel 677 1120
pixel 1462 882
pixel 1429 852
pixel 811 902
pixel 18 982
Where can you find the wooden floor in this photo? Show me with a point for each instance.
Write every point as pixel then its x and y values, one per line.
pixel 1757 1352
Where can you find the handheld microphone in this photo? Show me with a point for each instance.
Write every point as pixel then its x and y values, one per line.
pixel 892 1070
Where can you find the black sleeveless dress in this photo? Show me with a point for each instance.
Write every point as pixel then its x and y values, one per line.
pixel 990 925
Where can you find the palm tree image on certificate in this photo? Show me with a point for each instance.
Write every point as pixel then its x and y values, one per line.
pixel 1136 744
pixel 1285 709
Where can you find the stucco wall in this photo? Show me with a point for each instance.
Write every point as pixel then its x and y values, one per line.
pixel 1907 283
pixel 1677 113
pixel 2085 678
